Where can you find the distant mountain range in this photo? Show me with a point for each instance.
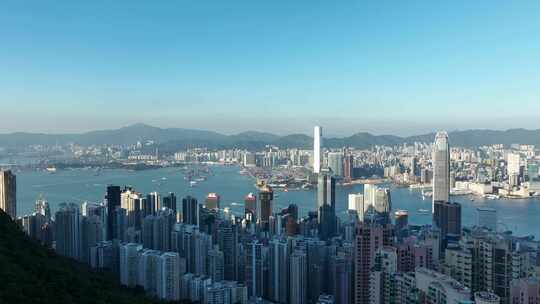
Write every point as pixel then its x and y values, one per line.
pixel 170 139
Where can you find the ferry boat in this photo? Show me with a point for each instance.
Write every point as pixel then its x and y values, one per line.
pixel 491 196
pixel 420 186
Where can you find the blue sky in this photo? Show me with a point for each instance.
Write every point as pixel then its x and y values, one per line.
pixel 400 67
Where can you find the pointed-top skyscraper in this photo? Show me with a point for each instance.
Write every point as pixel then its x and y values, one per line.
pixel 317 142
pixel 441 169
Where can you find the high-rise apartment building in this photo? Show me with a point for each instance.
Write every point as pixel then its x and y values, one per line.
pixel 168 277
pixel 128 264
pixel 190 210
pixel 132 202
pixel 212 201
pixel 8 193
pixel 370 238
pixel 335 163
pixel 298 278
pixel 68 230
pixel 250 203
pixel 113 200
pixel 264 206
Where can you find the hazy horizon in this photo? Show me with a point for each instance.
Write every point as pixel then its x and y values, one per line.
pixel 326 131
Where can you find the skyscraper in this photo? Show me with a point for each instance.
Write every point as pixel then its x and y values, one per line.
pixel 8 193
pixel 326 189
pixel 255 268
pixel 348 161
pixel 447 217
pixel 42 207
pixel 128 255
pixel 298 278
pixel 168 276
pixel 278 270
pixel 264 208
pixel 212 201
pixel 317 142
pixel 513 168
pixel 190 210
pixel 356 203
pixel 402 219
pixel 68 230
pixel 227 239
pixel 91 234
pixel 369 238
pixel 326 204
pixel 113 201
pixel 441 169
pixel 132 202
pixel 152 204
pixel 335 163
pixel 250 204
pixel 169 201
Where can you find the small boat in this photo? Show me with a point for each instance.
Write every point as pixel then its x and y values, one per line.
pixel 192 184
pixel 423 211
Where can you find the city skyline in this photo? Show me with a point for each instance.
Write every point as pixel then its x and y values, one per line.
pixel 416 64
pixel 252 152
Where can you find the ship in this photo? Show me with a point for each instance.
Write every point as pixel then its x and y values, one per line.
pixel 51 169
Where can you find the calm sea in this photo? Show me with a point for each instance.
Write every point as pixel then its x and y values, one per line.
pixel 82 185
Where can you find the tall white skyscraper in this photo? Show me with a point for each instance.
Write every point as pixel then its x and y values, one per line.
pixel 317 142
pixel 441 169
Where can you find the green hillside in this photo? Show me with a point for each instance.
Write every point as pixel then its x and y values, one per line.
pixel 31 273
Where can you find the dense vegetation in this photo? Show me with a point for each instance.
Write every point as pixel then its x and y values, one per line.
pixel 31 273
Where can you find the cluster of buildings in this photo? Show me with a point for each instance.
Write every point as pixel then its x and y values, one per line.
pixel 186 250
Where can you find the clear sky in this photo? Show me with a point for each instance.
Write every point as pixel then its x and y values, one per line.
pixel 400 67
